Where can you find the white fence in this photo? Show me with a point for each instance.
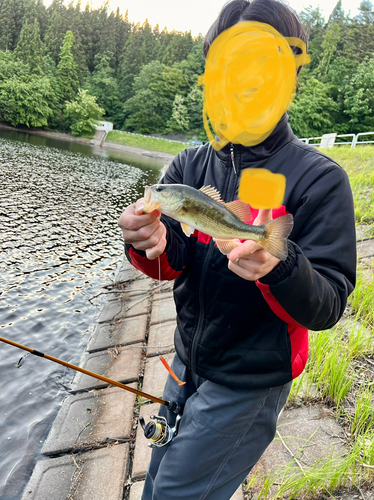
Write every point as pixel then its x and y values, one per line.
pixel 329 140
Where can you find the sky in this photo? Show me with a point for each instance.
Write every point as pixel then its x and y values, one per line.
pixel 197 15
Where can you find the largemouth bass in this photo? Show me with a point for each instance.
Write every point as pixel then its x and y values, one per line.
pixel 204 210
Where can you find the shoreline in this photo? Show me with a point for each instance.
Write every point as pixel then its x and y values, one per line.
pixel 60 136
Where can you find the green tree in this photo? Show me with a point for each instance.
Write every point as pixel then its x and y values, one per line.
pixel 145 112
pixel 57 27
pixel 7 25
pixel 30 49
pixel 67 69
pixel 329 46
pixel 311 113
pixel 83 113
pixel 359 98
pixel 26 101
pixel 179 116
pixel 104 87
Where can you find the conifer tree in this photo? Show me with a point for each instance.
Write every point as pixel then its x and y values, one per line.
pixel 29 48
pixel 67 70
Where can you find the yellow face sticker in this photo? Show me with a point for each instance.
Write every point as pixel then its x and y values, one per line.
pixel 260 188
pixel 249 83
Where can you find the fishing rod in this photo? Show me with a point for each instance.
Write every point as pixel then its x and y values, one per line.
pixel 158 432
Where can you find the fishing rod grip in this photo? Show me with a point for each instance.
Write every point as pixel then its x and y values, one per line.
pixel 174 407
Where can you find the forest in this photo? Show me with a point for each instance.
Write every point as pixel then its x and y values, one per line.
pixel 65 66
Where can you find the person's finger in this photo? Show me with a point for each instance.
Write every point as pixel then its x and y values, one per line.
pixel 155 251
pixel 248 247
pixel 264 215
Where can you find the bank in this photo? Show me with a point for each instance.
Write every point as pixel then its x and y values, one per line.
pixel 165 157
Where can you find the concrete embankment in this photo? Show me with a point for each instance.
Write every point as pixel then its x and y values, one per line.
pixel 96 449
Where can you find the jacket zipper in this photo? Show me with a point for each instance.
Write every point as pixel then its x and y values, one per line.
pixel 232 157
pixel 199 326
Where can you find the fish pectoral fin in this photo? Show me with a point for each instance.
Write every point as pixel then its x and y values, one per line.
pixel 240 209
pixel 225 246
pixel 212 192
pixel 188 230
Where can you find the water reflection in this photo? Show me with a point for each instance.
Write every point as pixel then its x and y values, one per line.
pixel 59 244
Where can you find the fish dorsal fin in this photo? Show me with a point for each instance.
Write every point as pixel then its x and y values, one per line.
pixel 240 209
pixel 212 192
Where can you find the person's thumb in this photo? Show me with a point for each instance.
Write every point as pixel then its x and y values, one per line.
pixel 264 215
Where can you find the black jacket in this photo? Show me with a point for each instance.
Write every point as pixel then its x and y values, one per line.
pixel 254 334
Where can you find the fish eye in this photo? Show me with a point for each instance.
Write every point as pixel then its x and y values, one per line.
pixel 159 188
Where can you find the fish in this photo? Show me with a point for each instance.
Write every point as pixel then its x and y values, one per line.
pixel 203 210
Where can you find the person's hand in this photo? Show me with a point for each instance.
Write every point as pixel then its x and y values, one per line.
pixel 144 231
pixel 248 259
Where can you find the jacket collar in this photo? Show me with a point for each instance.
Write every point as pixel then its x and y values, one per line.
pixel 281 135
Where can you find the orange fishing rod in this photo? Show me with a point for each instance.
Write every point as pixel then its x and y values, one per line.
pixel 170 405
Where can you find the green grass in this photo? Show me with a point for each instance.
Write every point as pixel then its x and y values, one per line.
pixel 144 142
pixel 337 376
pixel 358 162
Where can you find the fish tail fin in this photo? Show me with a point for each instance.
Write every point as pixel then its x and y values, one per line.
pixel 277 231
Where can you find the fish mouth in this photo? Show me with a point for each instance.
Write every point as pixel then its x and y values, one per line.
pixel 150 203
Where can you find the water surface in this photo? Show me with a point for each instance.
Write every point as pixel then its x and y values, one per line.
pixel 59 245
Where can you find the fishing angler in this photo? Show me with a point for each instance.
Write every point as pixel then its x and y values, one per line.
pixel 244 307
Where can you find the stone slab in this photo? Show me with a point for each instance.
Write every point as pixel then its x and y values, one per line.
pixel 95 475
pixel 135 306
pixel 110 310
pixel 155 375
pixel 90 419
pixel 127 331
pixel 136 490
pixel 117 364
pixel 163 309
pixel 139 286
pixel 161 338
pixel 127 272
pixel 365 248
pixel 142 452
pixel 310 433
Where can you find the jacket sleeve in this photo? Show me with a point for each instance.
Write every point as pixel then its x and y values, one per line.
pixel 310 288
pixel 179 248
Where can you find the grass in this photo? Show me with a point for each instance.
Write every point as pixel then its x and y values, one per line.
pixel 358 162
pixel 144 142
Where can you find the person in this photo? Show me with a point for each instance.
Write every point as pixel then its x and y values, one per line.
pixel 243 319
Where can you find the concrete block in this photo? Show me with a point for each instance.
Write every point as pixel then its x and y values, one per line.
pixel 117 364
pixel 155 375
pixel 238 495
pixel 142 452
pixel 163 309
pixel 90 419
pixel 161 336
pixel 127 331
pixel 309 433
pixel 139 286
pixel 365 248
pixel 95 475
pixel 135 306
pixel 136 490
pixel 110 310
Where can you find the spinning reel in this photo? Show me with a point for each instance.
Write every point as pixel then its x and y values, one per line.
pixel 159 432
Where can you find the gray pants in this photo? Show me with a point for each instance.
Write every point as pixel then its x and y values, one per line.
pixel 222 434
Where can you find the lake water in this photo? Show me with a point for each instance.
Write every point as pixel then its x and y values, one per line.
pixel 59 245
